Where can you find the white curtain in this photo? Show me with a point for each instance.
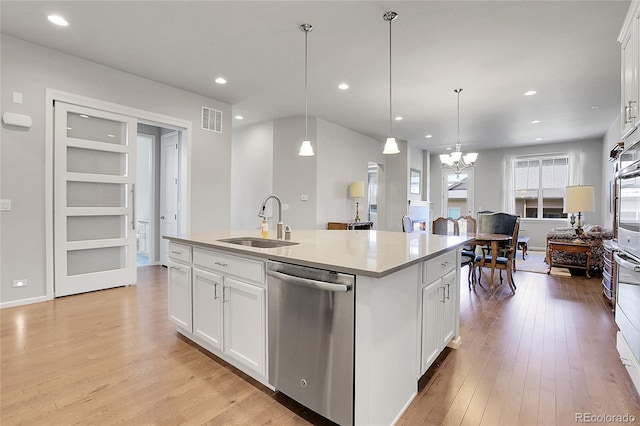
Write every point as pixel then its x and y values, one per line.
pixel 508 184
pixel 576 174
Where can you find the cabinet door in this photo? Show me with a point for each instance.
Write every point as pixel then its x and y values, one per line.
pixel 207 307
pixel 180 295
pixel 431 313
pixel 448 329
pixel 245 323
pixel 629 105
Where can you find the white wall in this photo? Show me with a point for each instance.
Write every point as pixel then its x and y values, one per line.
pixel 31 69
pixel 293 175
pixel 251 174
pixel 396 168
pixel 343 157
pixel 415 162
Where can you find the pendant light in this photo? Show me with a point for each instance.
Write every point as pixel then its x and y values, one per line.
pixel 456 161
pixel 306 150
pixel 391 146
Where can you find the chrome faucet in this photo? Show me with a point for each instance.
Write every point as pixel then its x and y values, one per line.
pixel 280 227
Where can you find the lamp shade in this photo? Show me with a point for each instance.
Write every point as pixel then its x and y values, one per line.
pixel 356 190
pixel 391 146
pixel 579 198
pixel 306 150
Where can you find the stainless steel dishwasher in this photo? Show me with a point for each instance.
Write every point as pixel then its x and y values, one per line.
pixel 311 338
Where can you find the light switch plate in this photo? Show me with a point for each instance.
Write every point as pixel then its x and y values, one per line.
pixel 304 197
pixel 17 97
pixel 5 205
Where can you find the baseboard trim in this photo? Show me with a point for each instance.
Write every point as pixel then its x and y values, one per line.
pixel 21 302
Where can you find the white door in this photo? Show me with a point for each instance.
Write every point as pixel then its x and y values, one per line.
pixel 168 192
pixel 457 193
pixel 94 193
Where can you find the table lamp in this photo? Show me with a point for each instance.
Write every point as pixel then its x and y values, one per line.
pixel 356 190
pixel 579 198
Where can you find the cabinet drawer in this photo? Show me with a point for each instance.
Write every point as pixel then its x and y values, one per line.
pixel 248 269
pixel 179 252
pixel 437 267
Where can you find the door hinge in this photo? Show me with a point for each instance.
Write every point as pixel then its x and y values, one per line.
pixel 175 216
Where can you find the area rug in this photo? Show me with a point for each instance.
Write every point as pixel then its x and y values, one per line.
pixel 534 262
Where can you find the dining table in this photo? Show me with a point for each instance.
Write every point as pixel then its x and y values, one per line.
pixel 493 240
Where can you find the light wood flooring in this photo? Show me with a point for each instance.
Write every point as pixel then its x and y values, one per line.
pixel 108 357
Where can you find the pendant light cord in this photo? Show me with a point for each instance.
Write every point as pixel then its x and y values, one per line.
pixel 306 96
pixel 458 135
pixel 390 93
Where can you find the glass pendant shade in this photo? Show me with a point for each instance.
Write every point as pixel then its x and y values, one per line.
pixel 470 158
pixel 306 150
pixel 391 146
pixel 456 155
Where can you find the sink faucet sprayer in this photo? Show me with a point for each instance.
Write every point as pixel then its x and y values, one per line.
pixel 280 224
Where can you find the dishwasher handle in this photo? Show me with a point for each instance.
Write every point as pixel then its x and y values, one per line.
pixel 306 282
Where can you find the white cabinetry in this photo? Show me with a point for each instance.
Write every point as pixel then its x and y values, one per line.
pixel 179 270
pixel 629 39
pixel 207 307
pixel 219 301
pixel 244 324
pixel 439 308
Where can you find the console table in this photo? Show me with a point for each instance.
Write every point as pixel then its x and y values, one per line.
pixel 568 248
pixel 350 225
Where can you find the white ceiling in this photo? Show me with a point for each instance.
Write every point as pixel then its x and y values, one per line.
pixel 494 50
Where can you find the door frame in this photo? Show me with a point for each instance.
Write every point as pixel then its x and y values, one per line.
pixel 470 192
pixel 142 116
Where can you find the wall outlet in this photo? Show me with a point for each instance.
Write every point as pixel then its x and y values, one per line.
pixel 285 207
pixel 19 283
pixel 5 205
pixel 304 197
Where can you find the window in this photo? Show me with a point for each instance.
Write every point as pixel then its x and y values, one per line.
pixel 540 184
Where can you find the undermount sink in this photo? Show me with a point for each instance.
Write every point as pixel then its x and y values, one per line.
pixel 257 242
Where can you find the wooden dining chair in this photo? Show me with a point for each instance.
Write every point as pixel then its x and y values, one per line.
pixel 504 260
pixel 467 225
pixel 445 226
pixel 449 226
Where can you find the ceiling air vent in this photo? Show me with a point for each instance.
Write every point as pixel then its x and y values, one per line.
pixel 211 120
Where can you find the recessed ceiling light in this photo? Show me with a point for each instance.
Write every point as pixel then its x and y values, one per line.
pixel 239 117
pixel 84 116
pixel 535 121
pixel 69 128
pixel 595 107
pixel 58 20
pixel 343 86
pixel 449 148
pixel 111 136
pixel 428 136
pixel 530 92
pixel 398 118
pixel 220 80
pixel 538 139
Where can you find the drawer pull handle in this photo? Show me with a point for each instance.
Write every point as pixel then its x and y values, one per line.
pixel 224 265
pixel 177 268
pixel 176 252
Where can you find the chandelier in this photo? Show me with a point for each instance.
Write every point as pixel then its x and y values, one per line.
pixel 456 161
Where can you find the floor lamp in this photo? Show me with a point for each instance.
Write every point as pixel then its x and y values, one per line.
pixel 356 190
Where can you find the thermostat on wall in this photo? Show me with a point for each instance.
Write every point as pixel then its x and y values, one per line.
pixel 14 119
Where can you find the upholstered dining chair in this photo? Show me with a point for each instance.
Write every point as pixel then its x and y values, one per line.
pixel 504 260
pixel 407 224
pixel 449 226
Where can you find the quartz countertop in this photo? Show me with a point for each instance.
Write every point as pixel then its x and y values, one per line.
pixel 361 252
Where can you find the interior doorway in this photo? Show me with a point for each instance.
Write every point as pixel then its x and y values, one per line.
pixel 457 193
pixel 158 191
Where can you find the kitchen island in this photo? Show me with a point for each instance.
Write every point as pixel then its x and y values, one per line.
pixel 406 304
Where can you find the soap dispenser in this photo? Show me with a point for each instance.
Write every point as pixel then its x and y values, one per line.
pixel 265 228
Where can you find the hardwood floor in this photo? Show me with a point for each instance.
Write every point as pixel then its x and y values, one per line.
pixel 538 357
